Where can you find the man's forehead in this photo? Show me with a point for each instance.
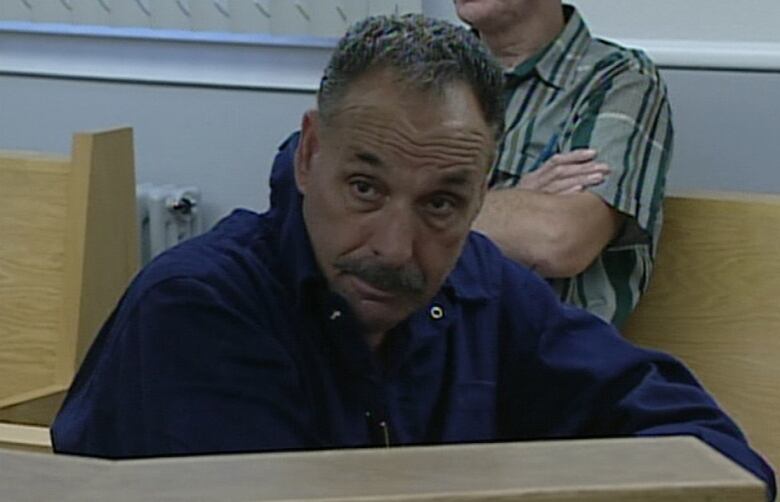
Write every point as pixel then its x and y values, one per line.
pixel 388 124
pixel 375 138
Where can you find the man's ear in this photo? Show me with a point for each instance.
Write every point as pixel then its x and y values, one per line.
pixel 308 148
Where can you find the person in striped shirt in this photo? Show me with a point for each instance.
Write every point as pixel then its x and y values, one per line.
pixel 578 182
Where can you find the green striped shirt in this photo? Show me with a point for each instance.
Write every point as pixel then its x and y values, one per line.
pixel 582 92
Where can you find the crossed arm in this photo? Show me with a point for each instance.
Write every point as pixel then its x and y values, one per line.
pixel 552 221
pixel 548 222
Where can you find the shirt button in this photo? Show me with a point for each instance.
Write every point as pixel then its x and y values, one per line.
pixel 335 315
pixel 437 312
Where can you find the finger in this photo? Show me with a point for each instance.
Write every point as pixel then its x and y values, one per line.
pixel 573 189
pixel 574 183
pixel 563 186
pixel 536 180
pixel 570 170
pixel 553 179
pixel 588 180
pixel 554 168
pixel 574 156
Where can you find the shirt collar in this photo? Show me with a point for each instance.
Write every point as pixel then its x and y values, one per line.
pixel 569 47
pixel 297 260
pixel 468 281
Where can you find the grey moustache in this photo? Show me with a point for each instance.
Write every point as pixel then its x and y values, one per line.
pixel 408 280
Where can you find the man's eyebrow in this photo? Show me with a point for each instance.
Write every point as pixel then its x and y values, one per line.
pixel 370 159
pixel 458 178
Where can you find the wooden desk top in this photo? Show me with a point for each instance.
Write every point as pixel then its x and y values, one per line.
pixel 637 469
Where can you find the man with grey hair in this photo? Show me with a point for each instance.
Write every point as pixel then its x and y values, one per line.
pixel 360 310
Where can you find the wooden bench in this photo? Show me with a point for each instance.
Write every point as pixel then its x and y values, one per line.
pixel 668 469
pixel 714 302
pixel 68 248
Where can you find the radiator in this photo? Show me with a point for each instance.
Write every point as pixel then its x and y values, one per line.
pixel 167 215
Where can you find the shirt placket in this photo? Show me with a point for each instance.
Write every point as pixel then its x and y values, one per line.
pixel 369 410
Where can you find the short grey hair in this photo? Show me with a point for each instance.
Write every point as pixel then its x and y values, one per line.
pixel 426 53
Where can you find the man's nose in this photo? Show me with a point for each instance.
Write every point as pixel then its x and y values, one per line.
pixel 393 237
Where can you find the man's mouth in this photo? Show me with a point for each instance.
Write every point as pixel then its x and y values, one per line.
pixel 369 291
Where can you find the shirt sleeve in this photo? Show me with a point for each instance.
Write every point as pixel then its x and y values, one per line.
pixel 577 377
pixel 182 371
pixel 627 119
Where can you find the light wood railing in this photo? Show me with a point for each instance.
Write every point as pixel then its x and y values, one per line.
pixel 714 302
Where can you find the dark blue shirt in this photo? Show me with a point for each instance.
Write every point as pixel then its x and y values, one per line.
pixel 231 342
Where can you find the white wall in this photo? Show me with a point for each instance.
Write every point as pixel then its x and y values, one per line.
pixel 699 20
pixel 692 33
pixel 726 130
pixel 277 17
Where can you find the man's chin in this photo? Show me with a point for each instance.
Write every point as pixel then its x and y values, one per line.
pixel 378 317
pixel 375 309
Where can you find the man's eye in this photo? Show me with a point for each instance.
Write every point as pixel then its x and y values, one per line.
pixel 441 206
pixel 364 190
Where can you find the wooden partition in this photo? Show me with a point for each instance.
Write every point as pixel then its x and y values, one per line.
pixel 714 301
pixel 25 437
pixel 670 469
pixel 68 247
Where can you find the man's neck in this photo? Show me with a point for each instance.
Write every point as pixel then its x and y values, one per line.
pixel 515 43
pixel 378 343
pixel 375 340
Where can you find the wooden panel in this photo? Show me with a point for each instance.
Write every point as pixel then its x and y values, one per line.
pixel 110 236
pixel 33 205
pixel 714 302
pixel 639 469
pixel 68 248
pixel 38 408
